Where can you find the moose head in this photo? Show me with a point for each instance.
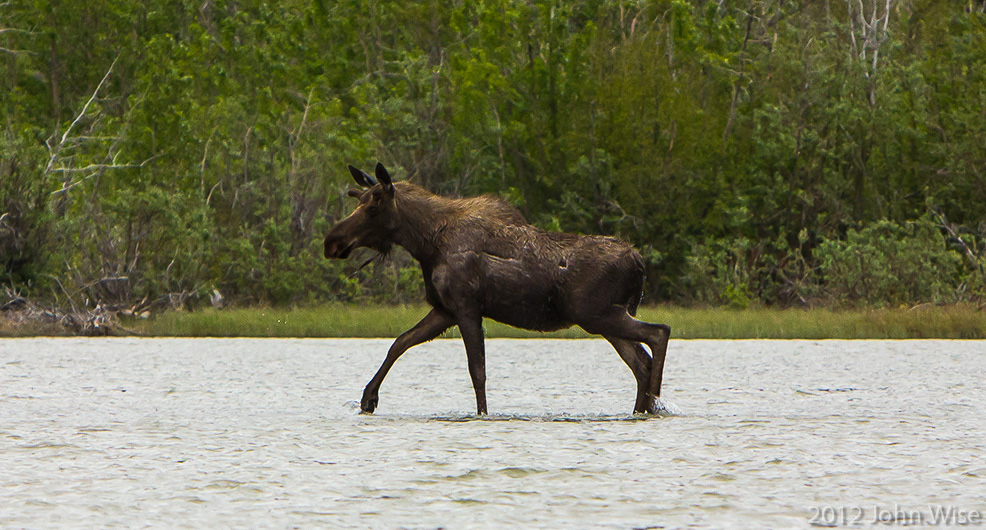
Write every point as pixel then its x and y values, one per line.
pixel 372 223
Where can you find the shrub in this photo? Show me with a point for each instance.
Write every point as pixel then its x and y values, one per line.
pixel 886 263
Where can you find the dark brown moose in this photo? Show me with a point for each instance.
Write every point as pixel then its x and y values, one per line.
pixel 480 258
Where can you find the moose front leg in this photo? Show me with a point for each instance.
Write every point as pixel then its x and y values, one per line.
pixel 431 326
pixel 472 336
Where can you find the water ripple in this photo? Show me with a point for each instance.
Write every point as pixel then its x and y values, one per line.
pixel 120 433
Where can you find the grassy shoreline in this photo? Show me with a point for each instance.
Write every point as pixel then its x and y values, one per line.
pixel 340 320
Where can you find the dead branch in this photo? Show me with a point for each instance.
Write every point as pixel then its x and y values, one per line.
pixel 25 314
pixel 953 233
pixel 205 156
pixel 71 301
pixel 295 136
pixel 61 157
pixel 95 169
pixel 85 108
pixel 15 52
pixel 16 30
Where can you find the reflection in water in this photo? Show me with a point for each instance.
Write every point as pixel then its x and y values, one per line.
pixel 134 432
pixel 555 418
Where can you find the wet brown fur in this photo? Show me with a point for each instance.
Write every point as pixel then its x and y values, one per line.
pixel 480 258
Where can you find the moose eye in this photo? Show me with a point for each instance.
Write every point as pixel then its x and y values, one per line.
pixel 372 210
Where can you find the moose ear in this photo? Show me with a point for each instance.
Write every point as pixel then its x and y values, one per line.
pixel 361 178
pixel 384 178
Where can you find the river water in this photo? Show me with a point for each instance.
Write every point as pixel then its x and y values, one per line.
pixel 225 433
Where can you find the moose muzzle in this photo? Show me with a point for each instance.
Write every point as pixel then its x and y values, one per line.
pixel 338 247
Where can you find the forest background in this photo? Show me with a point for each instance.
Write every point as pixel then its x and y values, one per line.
pixel 758 152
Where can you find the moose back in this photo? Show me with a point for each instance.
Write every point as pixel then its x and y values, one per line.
pixel 480 258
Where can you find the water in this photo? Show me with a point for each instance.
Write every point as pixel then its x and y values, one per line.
pixel 266 433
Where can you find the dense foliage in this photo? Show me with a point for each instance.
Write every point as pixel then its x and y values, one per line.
pixel 756 151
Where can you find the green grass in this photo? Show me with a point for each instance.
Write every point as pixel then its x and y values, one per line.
pixel 945 322
pixel 340 320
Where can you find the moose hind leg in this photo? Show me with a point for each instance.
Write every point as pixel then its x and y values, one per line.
pixel 431 326
pixel 660 353
pixel 616 322
pixel 639 362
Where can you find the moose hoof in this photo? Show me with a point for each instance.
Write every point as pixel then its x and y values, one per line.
pixel 368 405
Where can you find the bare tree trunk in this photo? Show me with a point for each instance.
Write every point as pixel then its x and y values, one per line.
pixel 739 80
pixel 866 38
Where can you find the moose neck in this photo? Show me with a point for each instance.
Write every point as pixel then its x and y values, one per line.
pixel 421 216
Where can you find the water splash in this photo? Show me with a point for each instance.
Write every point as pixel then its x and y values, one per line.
pixel 663 407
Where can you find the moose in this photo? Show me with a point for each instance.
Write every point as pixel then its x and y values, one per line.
pixel 480 258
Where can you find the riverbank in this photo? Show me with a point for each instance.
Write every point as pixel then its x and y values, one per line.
pixel 339 320
pixel 366 321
